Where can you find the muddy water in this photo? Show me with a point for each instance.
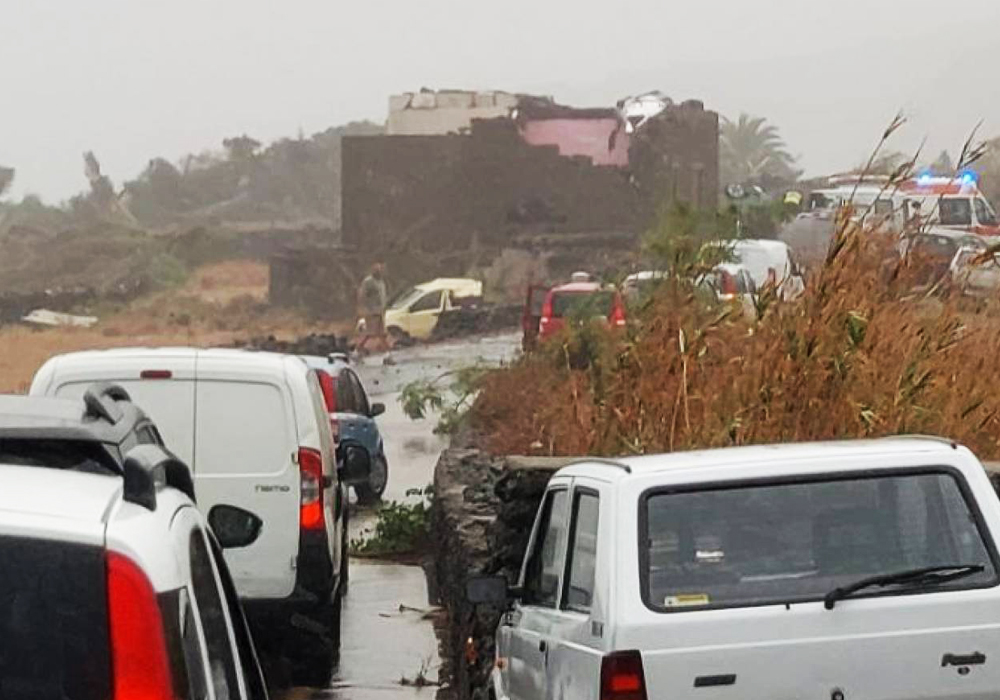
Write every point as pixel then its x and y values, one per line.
pixel 387 639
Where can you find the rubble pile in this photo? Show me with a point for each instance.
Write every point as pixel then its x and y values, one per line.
pixel 317 344
pixel 475 321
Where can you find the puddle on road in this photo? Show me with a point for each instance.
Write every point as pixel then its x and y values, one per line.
pixel 380 645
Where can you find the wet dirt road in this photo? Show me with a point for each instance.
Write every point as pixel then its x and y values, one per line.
pixel 383 643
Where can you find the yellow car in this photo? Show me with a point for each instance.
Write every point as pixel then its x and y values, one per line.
pixel 415 312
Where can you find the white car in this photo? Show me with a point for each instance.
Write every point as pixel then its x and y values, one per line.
pixel 768 262
pixel 415 312
pixel 864 569
pixel 254 428
pixel 112 586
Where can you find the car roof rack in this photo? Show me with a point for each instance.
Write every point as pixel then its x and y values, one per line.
pixel 603 462
pixel 148 468
pixel 933 438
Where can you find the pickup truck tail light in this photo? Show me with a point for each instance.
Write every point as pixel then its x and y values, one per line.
pixel 622 677
pixel 139 660
pixel 311 480
pixel 618 312
pixel 546 318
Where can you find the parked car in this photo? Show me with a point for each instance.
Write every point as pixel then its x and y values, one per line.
pixel 768 262
pixel 864 569
pixel 352 420
pixel 641 284
pixel 414 313
pixel 112 583
pixel 580 299
pixel 255 430
pixel 975 273
pixel 933 251
pixel 732 283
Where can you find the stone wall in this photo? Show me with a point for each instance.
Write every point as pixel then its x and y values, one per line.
pixel 484 508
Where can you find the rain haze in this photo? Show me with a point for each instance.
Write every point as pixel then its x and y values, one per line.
pixel 131 81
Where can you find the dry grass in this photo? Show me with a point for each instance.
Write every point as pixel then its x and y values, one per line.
pixel 219 305
pixel 858 355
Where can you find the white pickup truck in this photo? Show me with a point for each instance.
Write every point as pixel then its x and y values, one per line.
pixel 842 570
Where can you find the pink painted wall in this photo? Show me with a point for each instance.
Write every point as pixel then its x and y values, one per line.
pixel 580 137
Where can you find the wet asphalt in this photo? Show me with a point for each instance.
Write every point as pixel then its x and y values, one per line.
pixel 387 636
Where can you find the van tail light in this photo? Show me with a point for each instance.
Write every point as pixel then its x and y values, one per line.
pixel 618 313
pixel 622 677
pixel 727 286
pixel 311 479
pixel 139 661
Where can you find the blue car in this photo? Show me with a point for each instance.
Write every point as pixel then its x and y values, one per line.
pixel 352 418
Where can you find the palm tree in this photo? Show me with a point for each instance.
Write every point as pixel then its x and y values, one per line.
pixel 751 150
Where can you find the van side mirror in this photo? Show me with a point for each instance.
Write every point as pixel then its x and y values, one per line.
pixel 354 462
pixel 234 527
pixel 377 409
pixel 487 590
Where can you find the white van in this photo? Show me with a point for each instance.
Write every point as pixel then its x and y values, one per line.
pixel 864 569
pixel 253 428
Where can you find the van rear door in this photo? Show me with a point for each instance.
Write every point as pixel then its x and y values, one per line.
pixel 246 456
pixel 163 388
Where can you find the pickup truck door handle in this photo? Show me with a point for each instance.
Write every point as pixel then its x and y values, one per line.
pixel 976 659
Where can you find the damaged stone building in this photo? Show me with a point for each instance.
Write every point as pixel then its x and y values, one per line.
pixel 461 175
pixel 541 167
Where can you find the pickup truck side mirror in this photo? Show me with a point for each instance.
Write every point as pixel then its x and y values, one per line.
pixel 234 527
pixel 354 462
pixel 377 409
pixel 487 590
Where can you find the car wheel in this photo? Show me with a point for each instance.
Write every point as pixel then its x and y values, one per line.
pixel 314 647
pixel 371 491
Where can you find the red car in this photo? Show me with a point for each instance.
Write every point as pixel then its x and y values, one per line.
pixel 576 298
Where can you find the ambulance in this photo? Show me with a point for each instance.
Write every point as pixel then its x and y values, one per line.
pixel 954 203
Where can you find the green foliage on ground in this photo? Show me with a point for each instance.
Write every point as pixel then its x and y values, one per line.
pixel 402 528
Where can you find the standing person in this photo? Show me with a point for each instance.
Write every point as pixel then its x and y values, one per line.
pixel 371 307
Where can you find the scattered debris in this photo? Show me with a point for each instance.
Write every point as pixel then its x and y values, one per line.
pixel 45 317
pixel 420 680
pixel 316 344
pixel 637 110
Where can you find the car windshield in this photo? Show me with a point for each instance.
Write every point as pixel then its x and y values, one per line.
pixel 582 303
pixel 779 543
pixel 402 301
pixel 53 621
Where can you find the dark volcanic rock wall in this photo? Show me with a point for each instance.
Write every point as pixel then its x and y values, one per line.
pixel 483 512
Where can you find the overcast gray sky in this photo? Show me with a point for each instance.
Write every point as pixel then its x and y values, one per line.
pixel 134 79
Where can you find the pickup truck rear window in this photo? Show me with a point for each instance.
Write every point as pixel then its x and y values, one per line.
pixel 53 621
pixel 769 543
pixel 582 303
